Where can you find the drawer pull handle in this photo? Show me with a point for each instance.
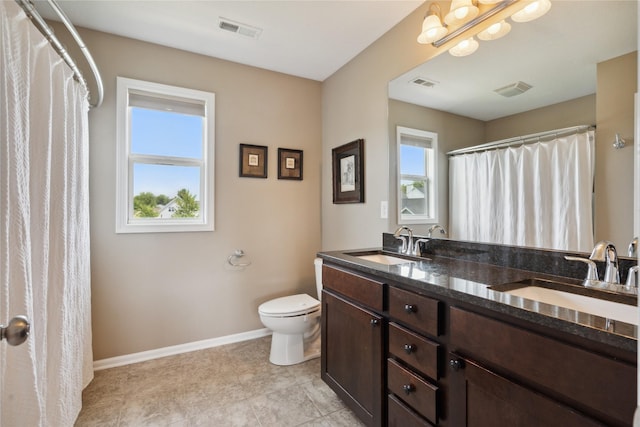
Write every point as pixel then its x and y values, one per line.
pixel 410 308
pixel 375 322
pixel 409 348
pixel 408 388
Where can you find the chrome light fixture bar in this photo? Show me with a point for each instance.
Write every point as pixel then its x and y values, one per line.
pixel 475 21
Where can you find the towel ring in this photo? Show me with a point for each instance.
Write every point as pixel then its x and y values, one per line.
pixel 232 259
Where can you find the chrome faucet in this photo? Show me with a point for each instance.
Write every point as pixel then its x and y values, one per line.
pixel 407 246
pixel 633 247
pixel 434 228
pixel 605 251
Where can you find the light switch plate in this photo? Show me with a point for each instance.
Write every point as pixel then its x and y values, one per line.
pixel 384 209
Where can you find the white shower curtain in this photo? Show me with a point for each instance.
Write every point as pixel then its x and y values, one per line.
pixel 537 194
pixel 44 228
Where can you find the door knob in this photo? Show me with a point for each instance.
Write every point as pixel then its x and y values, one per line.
pixel 17 331
pixel 456 364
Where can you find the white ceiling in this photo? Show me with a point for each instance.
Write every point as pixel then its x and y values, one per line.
pixel 311 39
pixel 556 54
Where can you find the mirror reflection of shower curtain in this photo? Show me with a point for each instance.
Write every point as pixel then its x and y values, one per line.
pixel 537 195
pixel 44 228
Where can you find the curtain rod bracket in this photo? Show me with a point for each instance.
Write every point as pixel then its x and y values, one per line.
pixel 619 142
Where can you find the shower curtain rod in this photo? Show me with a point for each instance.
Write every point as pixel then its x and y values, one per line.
pixel 519 140
pixel 39 22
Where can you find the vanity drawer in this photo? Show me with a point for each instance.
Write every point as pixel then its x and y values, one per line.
pixel 419 312
pixel 361 289
pixel 400 415
pixel 413 390
pixel 419 352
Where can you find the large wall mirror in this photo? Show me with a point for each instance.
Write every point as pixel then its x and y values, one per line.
pixel 561 56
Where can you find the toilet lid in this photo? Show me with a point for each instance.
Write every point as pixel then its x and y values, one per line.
pixel 292 305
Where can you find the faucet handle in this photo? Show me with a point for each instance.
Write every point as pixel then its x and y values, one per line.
pixel 404 243
pixel 633 247
pixel 632 277
pixel 592 272
pixel 416 246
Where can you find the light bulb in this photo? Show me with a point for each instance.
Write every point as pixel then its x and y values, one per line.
pixel 532 11
pixel 461 12
pixel 432 30
pixel 465 47
pixel 495 31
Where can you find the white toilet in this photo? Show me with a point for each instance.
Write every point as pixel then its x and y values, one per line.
pixel 295 322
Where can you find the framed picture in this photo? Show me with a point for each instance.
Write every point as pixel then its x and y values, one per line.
pixel 253 161
pixel 348 172
pixel 289 164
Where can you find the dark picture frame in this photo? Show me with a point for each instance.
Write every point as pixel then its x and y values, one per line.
pixel 253 161
pixel 348 172
pixel 289 164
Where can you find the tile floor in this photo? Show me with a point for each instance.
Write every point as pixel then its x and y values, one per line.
pixel 231 385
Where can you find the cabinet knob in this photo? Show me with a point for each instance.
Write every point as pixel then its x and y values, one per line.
pixel 456 364
pixel 375 322
pixel 410 308
pixel 408 348
pixel 408 388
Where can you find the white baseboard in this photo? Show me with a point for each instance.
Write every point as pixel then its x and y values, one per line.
pixel 127 359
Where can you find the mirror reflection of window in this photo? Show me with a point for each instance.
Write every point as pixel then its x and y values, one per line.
pixel 416 176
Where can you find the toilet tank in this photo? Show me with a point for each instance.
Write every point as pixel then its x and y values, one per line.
pixel 318 265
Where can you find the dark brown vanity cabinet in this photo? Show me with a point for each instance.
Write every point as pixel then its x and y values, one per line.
pixel 398 358
pixel 500 372
pixel 353 334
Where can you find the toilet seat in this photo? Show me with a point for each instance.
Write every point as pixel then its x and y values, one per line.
pixel 290 306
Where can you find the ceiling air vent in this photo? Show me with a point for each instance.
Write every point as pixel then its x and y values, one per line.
pixel 424 82
pixel 513 89
pixel 238 28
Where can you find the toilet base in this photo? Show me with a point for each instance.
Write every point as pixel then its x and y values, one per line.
pixel 291 349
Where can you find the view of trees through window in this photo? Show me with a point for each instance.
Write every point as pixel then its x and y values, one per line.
pixel 149 205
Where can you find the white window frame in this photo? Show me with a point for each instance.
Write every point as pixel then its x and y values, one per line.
pixel 125 223
pixel 430 141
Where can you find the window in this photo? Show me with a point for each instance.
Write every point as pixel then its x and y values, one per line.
pixel 164 158
pixel 417 172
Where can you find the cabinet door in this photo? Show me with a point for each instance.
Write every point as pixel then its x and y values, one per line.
pixel 352 356
pixel 481 398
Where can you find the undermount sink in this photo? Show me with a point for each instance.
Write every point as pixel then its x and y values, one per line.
pixel 557 294
pixel 384 259
pixel 380 257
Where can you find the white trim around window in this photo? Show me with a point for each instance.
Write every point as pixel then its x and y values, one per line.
pixel 154 96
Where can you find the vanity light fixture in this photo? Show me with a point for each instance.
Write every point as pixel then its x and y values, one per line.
pixel 464 15
pixel 533 10
pixel 495 31
pixel 461 11
pixel 465 47
pixel 432 28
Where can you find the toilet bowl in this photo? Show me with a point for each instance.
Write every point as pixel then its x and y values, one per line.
pixel 295 323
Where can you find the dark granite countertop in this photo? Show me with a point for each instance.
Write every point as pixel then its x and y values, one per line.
pixel 470 282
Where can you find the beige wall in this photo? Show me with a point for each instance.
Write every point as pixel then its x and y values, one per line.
pixel 617 84
pixel 157 290
pixel 580 111
pixel 354 105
